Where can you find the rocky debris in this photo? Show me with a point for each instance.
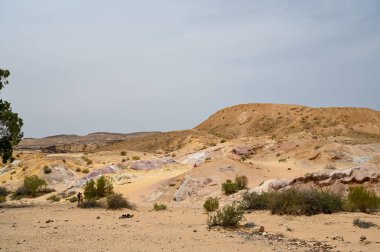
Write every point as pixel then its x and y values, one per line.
pixel 123 178
pixel 243 150
pixel 107 170
pixel 126 216
pixel 147 165
pixel 312 246
pixel 337 238
pixel 60 174
pixel 227 168
pixel 196 158
pixel 355 175
pixel 191 187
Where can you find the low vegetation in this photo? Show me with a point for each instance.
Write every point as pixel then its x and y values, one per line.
pixel 117 201
pixel 135 158
pixel 241 182
pixel 123 153
pixel 362 199
pixel 228 216
pixel 34 184
pixel 363 224
pixel 229 187
pixel 159 207
pixel 85 170
pixel 54 198
pixel 102 187
pixel 47 169
pixel 255 201
pixel 211 204
pixel 87 160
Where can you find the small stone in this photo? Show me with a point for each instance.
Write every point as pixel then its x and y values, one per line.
pixel 194 230
pixel 363 238
pixel 97 217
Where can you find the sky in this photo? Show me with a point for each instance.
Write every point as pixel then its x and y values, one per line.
pixel 124 66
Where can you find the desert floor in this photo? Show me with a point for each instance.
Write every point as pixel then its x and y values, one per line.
pixel 64 227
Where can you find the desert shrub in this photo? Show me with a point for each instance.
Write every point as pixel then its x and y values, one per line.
pixel 117 201
pixel 33 184
pixel 228 216
pixel 104 187
pixel 229 187
pixel 3 199
pixel 73 199
pixel 123 160
pixel 159 207
pixel 241 182
pixel 306 202
pixel 90 203
pixel 87 160
pixel 101 188
pixel 363 224
pixel 123 153
pixel 255 201
pixel 135 158
pixel 223 141
pixel 54 198
pixel 212 144
pixel 85 170
pixel 3 191
pixel 78 169
pixel 362 199
pixel 211 204
pixel 47 169
pixel 282 160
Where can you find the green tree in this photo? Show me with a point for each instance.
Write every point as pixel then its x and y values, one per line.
pixel 10 123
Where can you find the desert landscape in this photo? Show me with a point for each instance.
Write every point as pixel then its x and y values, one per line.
pixel 275 147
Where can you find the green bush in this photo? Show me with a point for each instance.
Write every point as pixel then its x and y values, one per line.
pixel 85 170
pixel 54 198
pixel 159 207
pixel 223 141
pixel 73 199
pixel 33 184
pixel 117 201
pixel 101 188
pixel 78 169
pixel 211 204
pixel 123 153
pixel 255 201
pixel 307 202
pixel 241 182
pixel 3 199
pixel 362 199
pixel 135 158
pixel 47 169
pixel 228 216
pixel 229 187
pixel 87 160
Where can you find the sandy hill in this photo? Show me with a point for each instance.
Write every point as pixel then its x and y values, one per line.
pixel 249 120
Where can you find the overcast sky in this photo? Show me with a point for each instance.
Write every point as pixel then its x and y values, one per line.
pixel 123 66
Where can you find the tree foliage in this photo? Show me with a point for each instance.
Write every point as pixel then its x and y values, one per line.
pixel 10 123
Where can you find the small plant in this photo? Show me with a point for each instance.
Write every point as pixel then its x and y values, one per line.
pixel 87 160
pixel 223 141
pixel 78 169
pixel 3 199
pixel 85 170
pixel 135 158
pixel 228 216
pixel 241 182
pixel 363 224
pixel 159 207
pixel 101 188
pixel 282 160
pixel 73 199
pixel 123 153
pixel 255 201
pixel 317 147
pixel 117 201
pixel 278 154
pixel 363 199
pixel 33 184
pixel 47 169
pixel 212 144
pixel 123 160
pixel 3 191
pixel 211 204
pixel 229 187
pixel 54 198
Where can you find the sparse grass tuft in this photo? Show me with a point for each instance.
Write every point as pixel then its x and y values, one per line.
pixel 159 207
pixel 241 182
pixel 211 204
pixel 87 160
pixel 85 170
pixel 47 169
pixel 363 224
pixel 330 167
pixel 54 198
pixel 123 153
pixel 362 199
pixel 135 158
pixel 117 201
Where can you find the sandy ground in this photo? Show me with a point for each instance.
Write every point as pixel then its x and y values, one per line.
pixel 176 229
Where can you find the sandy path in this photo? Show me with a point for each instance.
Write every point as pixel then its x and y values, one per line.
pixel 177 229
